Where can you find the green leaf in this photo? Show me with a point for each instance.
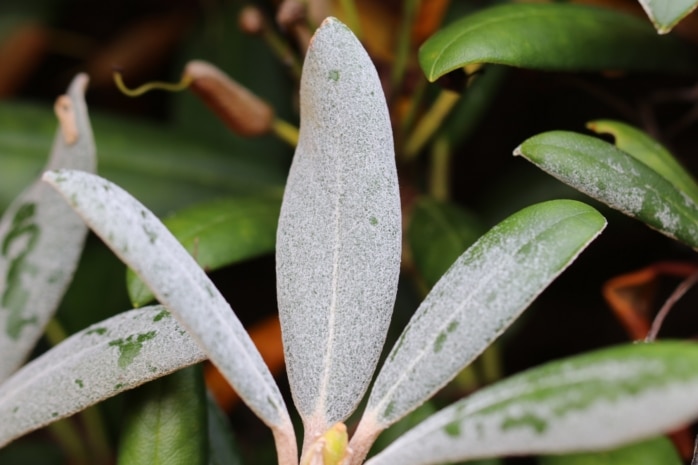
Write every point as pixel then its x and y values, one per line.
pixel 482 293
pixel 41 239
pixel 94 364
pixel 553 36
pixel 161 166
pixel 219 233
pixel 438 233
pixel 640 145
pixel 222 448
pixel 165 422
pixel 651 452
pixel 610 175
pixel 338 243
pixel 666 14
pixel 595 401
pixel 144 244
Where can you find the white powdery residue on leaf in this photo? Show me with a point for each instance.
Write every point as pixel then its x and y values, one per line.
pixel 617 179
pixel 557 408
pixel 477 299
pixel 338 240
pixel 146 246
pixel 97 363
pixel 41 239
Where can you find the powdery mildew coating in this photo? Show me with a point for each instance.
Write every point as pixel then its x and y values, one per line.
pixel 41 239
pixel 99 362
pixel 146 246
pixel 482 293
pixel 665 15
pixel 338 240
pixel 615 178
pixel 595 401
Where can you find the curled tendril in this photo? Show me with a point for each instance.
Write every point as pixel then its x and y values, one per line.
pixel 154 85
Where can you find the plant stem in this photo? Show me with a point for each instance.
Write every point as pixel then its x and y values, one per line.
pixel 353 20
pixel 404 43
pixel 69 441
pixel 96 434
pixel 54 332
pixel 285 131
pixel 666 308
pixel 440 181
pixel 491 367
pixel 430 123
pixel 280 47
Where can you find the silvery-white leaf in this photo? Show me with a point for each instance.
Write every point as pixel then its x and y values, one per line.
pixel 41 239
pixel 338 239
pixel 101 361
pixel 482 293
pixel 147 247
pixel 595 401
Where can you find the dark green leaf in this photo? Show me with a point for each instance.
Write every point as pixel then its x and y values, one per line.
pixel 166 422
pixel 594 401
pixel 222 449
pixel 438 234
pixel 658 451
pixel 610 175
pixel 219 233
pixel 553 36
pixel 167 170
pixel 640 145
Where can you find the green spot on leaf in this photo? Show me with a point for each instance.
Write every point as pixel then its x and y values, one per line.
pixel 373 221
pixel 389 410
pixel 152 236
pixel 441 338
pixel 80 383
pixel 334 75
pixel 161 315
pixel 130 347
pixel 527 420
pixel 19 242
pixel 98 331
pixel 452 429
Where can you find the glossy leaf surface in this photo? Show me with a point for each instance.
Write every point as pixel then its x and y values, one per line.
pixel 219 233
pixel 484 291
pixel 438 233
pixel 610 175
pixel 552 36
pixel 101 361
pixel 165 422
pixel 164 168
pixel 338 243
pixel 597 401
pixel 652 452
pixel 649 151
pixel 41 239
pixel 146 246
pixel 666 14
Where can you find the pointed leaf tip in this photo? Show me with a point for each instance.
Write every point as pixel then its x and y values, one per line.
pixel 480 295
pixel 42 238
pixel 338 239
